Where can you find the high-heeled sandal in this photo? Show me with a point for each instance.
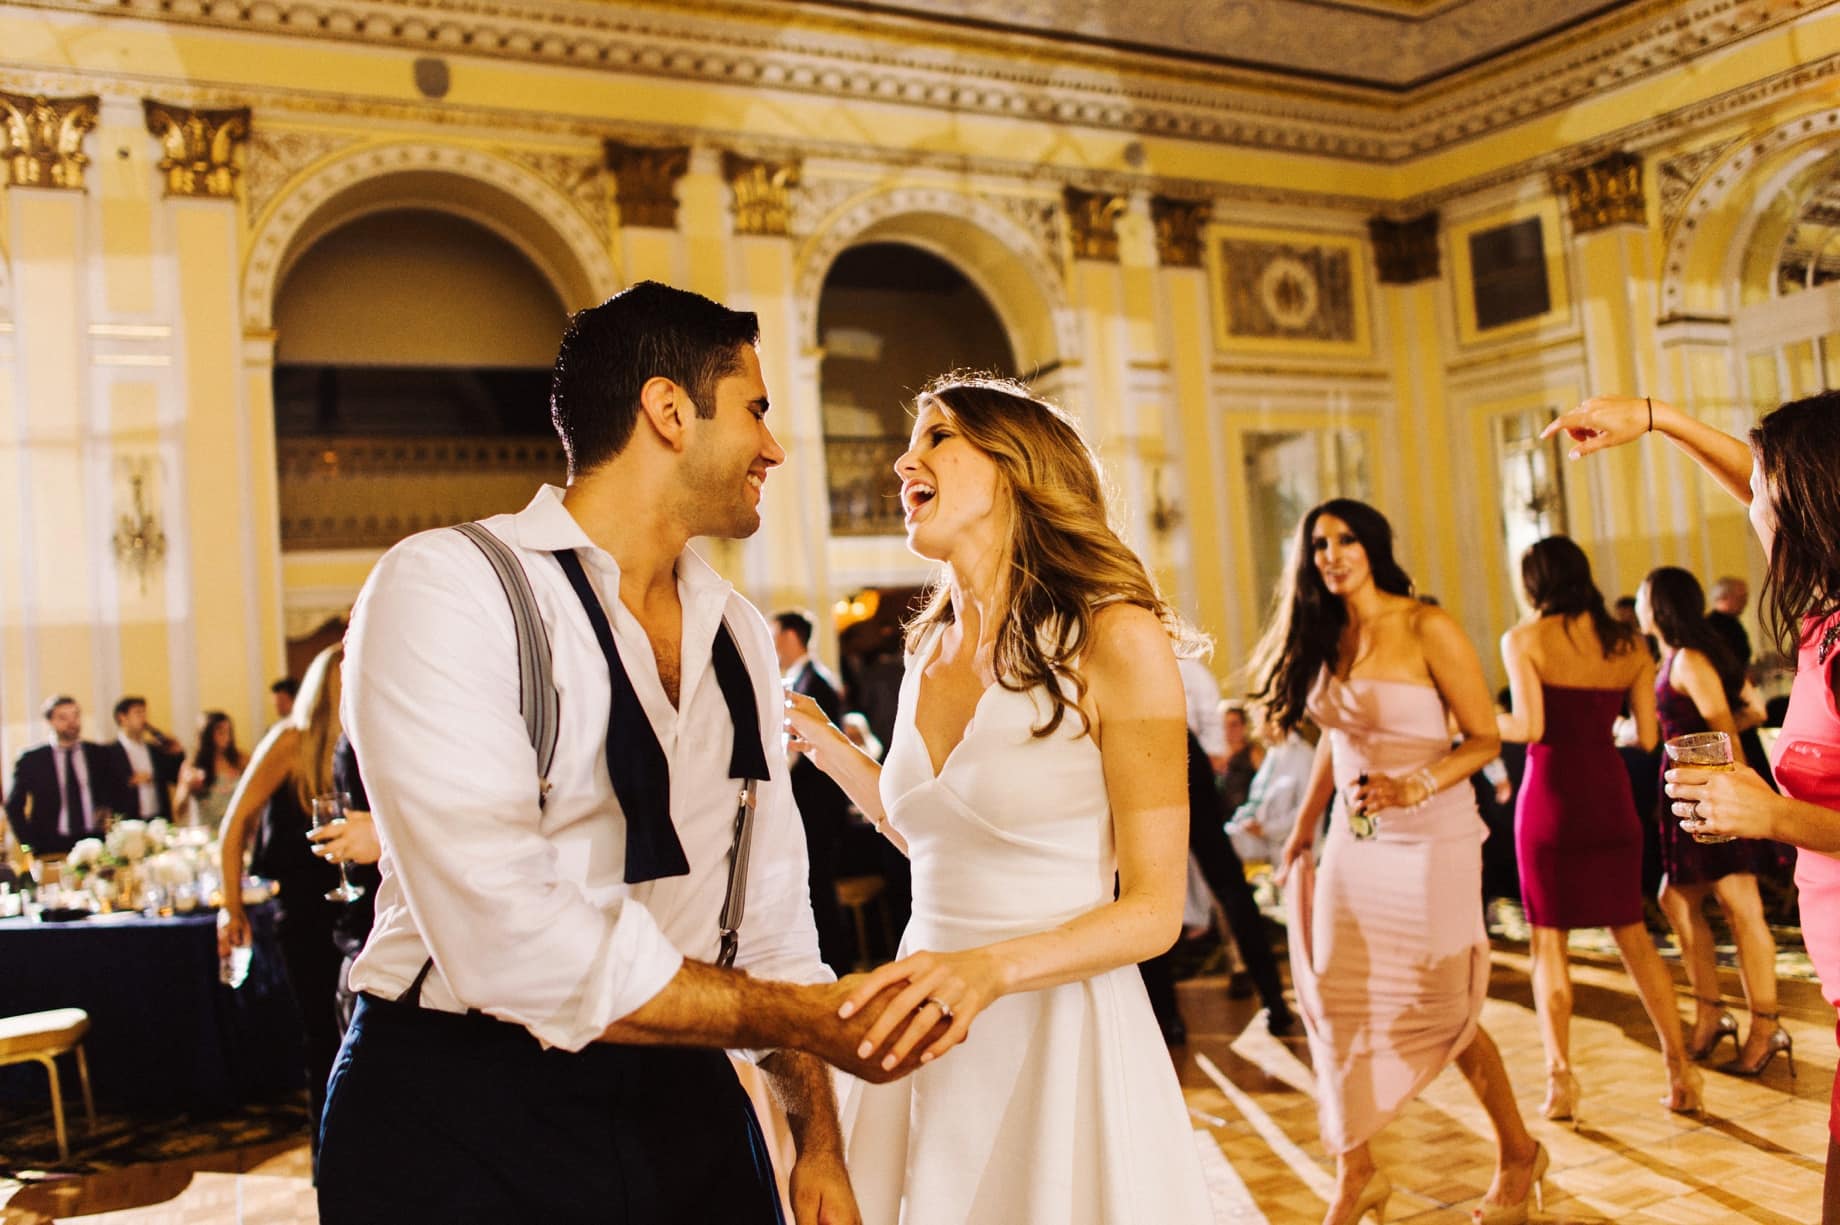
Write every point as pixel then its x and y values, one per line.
pixel 1725 1027
pixel 1516 1214
pixel 1684 1092
pixel 1374 1193
pixel 1780 1043
pixel 1563 1094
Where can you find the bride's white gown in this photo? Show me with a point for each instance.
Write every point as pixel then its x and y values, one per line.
pixel 1062 1108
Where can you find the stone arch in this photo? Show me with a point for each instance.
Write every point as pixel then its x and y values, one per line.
pixel 501 195
pixel 1011 261
pixel 1725 212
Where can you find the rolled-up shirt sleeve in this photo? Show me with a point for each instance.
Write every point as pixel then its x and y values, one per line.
pixel 431 703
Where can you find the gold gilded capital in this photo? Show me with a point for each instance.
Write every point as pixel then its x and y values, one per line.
pixel 1604 193
pixel 198 148
pixel 763 194
pixel 43 139
pixel 1092 219
pixel 1178 230
pixel 645 182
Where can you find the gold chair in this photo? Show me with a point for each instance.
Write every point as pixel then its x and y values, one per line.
pixel 42 1037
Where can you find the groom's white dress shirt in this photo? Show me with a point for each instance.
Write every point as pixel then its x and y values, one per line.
pixel 525 909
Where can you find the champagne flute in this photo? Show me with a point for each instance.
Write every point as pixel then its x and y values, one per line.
pixel 327 809
pixel 1710 751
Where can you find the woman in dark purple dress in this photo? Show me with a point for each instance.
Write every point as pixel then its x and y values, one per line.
pixel 1697 691
pixel 1577 835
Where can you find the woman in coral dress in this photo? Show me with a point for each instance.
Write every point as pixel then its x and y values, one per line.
pixel 1038 756
pixel 1577 835
pixel 1788 474
pixel 1388 951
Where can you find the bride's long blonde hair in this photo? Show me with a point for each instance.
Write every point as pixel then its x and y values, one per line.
pixel 1064 558
pixel 316 717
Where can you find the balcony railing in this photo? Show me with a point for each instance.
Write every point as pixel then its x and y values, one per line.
pixel 368 493
pixel 865 493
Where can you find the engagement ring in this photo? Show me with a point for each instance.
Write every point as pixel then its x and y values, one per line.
pixel 944 1012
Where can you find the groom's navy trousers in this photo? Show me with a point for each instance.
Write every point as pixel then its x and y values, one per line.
pixel 434 1116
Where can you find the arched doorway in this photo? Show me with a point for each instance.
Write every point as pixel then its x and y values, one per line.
pixel 891 317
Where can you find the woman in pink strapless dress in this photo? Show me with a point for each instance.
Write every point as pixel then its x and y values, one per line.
pixel 1388 951
pixel 1577 834
pixel 1789 475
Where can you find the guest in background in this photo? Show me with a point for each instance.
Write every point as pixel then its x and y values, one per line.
pixel 1697 690
pixel 273 803
pixel 151 760
pixel 353 843
pixel 59 788
pixel 1577 832
pixel 216 768
pixel 1201 703
pixel 1726 603
pixel 284 691
pixel 823 807
pixel 1259 826
pixel 1390 974
pixel 1244 756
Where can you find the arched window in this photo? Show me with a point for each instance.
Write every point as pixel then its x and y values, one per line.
pixel 891 317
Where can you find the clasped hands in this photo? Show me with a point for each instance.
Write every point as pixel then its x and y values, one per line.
pixel 917 1008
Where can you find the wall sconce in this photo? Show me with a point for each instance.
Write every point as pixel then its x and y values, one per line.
pixel 139 542
pixel 1165 515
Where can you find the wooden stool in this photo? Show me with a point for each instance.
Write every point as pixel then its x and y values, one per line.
pixel 43 1036
pixel 854 893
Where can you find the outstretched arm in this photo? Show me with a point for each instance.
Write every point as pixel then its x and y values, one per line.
pixel 1611 421
pixel 269 768
pixel 810 731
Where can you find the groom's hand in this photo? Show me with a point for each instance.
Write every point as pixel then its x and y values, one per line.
pixel 821 1193
pixel 838 1040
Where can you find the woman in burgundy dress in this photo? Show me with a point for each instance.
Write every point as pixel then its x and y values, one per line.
pixel 1788 475
pixel 1577 835
pixel 1697 690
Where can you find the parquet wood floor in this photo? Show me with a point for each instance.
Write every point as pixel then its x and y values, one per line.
pixel 1755 1155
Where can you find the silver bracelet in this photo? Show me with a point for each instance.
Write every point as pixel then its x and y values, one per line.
pixel 1428 781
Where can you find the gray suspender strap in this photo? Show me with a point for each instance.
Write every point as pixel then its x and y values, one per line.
pixel 735 905
pixel 537 698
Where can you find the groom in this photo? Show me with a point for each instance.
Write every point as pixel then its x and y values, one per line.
pixel 540 1030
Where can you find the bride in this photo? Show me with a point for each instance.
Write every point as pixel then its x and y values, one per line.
pixel 1036 779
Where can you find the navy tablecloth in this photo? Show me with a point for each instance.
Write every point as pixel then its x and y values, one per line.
pixel 165 1034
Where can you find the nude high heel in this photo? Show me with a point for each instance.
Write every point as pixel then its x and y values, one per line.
pixel 1516 1214
pixel 1563 1094
pixel 1780 1042
pixel 1374 1193
pixel 1725 1027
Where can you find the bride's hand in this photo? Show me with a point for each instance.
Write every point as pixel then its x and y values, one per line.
pixel 807 725
pixel 954 987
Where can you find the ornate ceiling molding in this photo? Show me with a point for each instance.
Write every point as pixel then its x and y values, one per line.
pixel 749 44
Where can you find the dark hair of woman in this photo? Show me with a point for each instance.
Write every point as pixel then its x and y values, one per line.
pixel 206 756
pixel 1798 448
pixel 1678 605
pixel 1306 622
pixel 1556 575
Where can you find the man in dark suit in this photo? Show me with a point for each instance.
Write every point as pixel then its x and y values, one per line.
pixel 148 758
pixel 823 806
pixel 58 787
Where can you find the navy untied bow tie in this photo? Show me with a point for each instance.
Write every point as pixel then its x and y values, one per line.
pixel 636 762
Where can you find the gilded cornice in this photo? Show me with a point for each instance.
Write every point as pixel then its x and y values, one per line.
pixel 750 44
pixel 43 139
